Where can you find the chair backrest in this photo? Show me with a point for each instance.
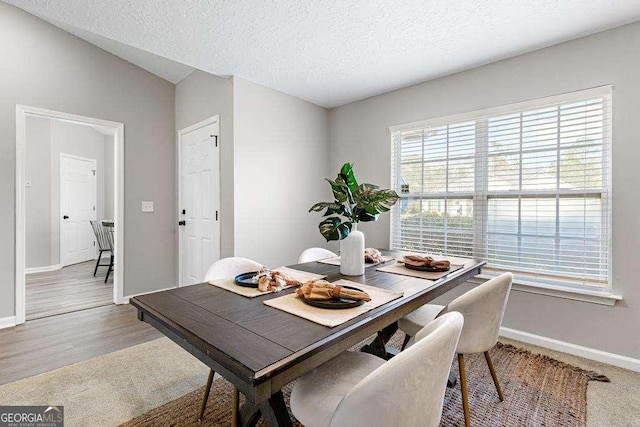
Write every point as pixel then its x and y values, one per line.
pixel 228 268
pixel 409 389
pixel 314 254
pixel 483 309
pixel 104 237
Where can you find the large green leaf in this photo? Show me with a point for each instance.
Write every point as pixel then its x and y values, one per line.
pixel 349 178
pixel 331 207
pixel 333 228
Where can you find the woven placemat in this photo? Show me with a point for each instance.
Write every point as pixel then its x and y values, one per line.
pixel 291 303
pixel 229 285
pixel 539 391
pixel 399 268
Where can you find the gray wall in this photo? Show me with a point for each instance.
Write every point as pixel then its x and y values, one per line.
pixel 45 67
pixel 109 182
pixel 42 168
pixel 359 133
pixel 38 196
pixel 280 156
pixel 200 96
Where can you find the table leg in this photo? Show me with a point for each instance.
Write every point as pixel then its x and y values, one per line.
pixel 275 411
pixel 378 347
pixel 249 415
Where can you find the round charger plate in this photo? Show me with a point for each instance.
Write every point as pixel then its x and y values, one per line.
pixel 335 304
pixel 426 268
pixel 245 280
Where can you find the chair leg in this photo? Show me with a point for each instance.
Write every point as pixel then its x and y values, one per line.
pixel 207 390
pixel 494 375
pixel 110 269
pixel 463 387
pixel 405 342
pixel 95 270
pixel 236 407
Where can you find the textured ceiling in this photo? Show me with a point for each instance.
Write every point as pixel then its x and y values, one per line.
pixel 158 65
pixel 332 52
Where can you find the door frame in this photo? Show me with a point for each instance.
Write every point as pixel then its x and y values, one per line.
pixel 95 201
pixel 209 121
pixel 22 111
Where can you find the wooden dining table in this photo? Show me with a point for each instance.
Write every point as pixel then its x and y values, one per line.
pixel 260 349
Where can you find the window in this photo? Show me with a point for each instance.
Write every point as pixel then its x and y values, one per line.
pixel 525 187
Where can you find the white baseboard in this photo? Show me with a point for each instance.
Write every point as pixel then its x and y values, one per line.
pixel 7 322
pixel 126 299
pixel 43 269
pixel 573 349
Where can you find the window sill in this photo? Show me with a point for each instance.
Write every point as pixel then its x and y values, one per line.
pixel 585 295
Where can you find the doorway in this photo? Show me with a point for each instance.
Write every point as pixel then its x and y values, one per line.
pixel 199 199
pixel 69 183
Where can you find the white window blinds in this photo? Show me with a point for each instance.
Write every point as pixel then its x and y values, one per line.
pixel 525 187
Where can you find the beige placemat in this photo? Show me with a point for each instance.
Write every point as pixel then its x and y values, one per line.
pixel 229 285
pixel 399 268
pixel 328 317
pixel 336 261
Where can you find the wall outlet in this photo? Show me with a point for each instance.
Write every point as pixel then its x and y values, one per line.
pixel 147 206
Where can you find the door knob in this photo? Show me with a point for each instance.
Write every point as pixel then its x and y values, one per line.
pixel 182 222
pixel 65 217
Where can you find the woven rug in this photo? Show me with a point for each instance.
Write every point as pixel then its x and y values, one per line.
pixel 538 390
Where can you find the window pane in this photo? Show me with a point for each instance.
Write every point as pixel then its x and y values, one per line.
pixel 581 218
pixel 540 128
pixel 539 170
pixel 504 172
pixel 538 217
pixel 503 216
pixel 581 168
pixel 462 175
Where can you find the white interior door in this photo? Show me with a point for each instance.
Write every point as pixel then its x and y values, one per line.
pixel 199 201
pixel 78 196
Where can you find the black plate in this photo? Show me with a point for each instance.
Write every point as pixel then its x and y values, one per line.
pixel 426 268
pixel 335 304
pixel 244 280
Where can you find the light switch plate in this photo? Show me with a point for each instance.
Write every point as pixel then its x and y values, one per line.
pixel 147 206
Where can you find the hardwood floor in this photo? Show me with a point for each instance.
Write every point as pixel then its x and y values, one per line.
pixel 45 344
pixel 71 288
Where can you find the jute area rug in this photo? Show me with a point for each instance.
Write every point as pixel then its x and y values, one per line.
pixel 539 391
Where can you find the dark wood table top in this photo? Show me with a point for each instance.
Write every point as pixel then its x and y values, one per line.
pixel 260 348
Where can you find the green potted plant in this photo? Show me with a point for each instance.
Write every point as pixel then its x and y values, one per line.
pixel 353 203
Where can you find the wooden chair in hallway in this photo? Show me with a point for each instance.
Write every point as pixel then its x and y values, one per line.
pixel 104 237
pixel 227 269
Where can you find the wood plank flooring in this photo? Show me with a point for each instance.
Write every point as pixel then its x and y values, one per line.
pixel 45 344
pixel 71 288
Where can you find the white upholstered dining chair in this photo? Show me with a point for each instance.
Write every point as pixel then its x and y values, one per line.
pixel 227 268
pixel 314 254
pixel 358 389
pixel 483 309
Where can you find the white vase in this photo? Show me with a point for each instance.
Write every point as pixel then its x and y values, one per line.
pixel 352 253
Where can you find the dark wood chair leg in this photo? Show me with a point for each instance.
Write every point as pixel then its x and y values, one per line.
pixel 110 269
pixel 463 387
pixel 206 394
pixel 95 270
pixel 494 375
pixel 405 342
pixel 236 406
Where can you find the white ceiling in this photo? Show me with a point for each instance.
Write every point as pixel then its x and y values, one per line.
pixel 332 52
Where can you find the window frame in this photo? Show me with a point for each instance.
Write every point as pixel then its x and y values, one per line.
pixel 481 118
